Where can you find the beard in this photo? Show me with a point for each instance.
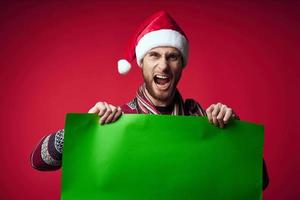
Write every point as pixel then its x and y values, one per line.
pixel 161 95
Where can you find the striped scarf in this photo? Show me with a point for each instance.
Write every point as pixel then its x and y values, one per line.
pixel 145 106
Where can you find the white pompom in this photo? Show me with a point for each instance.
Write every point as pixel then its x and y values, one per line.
pixel 123 66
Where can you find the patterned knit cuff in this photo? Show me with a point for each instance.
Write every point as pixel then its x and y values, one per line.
pixel 52 149
pixel 47 153
pixel 59 140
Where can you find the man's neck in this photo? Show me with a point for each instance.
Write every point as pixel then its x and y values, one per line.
pixel 160 103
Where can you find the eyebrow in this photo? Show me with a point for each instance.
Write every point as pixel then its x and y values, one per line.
pixel 168 53
pixel 153 51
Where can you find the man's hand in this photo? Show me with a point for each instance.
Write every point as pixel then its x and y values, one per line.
pixel 108 113
pixel 219 114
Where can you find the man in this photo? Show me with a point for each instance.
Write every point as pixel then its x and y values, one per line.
pixel 160 48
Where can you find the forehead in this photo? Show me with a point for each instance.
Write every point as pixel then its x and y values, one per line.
pixel 164 50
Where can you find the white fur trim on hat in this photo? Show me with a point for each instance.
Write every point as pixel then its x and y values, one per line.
pixel 162 37
pixel 123 66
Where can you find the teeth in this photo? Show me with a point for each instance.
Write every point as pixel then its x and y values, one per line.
pixel 162 76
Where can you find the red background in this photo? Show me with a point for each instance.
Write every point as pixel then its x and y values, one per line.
pixel 59 57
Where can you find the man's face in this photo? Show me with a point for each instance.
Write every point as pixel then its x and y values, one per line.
pixel 162 67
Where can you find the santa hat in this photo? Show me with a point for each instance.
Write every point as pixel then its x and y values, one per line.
pixel 159 29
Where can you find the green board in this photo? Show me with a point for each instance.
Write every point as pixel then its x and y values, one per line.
pixel 163 157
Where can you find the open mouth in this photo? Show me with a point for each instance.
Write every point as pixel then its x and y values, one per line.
pixel 162 81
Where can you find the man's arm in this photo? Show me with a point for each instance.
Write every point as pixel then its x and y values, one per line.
pixel 220 115
pixel 47 155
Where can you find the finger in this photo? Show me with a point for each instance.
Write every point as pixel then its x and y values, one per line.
pixel 221 116
pixel 215 114
pixel 94 109
pixel 102 108
pixel 228 115
pixel 209 111
pixel 106 114
pixel 99 109
pixel 118 114
pixel 112 114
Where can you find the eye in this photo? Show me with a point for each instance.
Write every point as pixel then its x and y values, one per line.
pixel 154 55
pixel 174 56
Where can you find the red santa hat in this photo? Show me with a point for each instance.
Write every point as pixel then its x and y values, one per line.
pixel 159 29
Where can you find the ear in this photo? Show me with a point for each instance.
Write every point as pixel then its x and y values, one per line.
pixel 142 63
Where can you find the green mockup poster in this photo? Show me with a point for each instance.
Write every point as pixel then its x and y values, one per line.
pixel 161 157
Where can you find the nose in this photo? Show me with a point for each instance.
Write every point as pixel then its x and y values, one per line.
pixel 163 64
